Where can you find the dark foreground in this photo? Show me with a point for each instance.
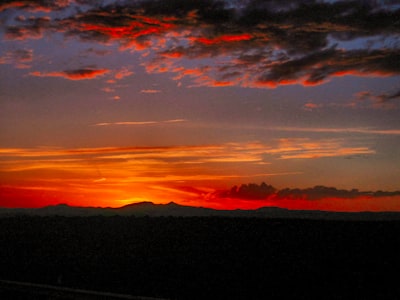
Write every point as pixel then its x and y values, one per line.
pixel 203 257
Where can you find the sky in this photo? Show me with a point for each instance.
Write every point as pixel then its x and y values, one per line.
pixel 217 103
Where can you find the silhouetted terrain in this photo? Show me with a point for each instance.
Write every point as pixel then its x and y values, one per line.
pixel 175 210
pixel 205 257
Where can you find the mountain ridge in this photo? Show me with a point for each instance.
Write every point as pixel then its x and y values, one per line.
pixel 173 209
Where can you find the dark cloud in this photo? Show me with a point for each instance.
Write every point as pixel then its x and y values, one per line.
pixel 31 28
pixel 384 100
pixel 34 5
pixel 250 191
pixel 20 58
pixel 264 191
pixel 268 42
pixel 316 67
pixel 77 74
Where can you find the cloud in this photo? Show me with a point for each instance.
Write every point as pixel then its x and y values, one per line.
pixel 264 191
pixel 108 90
pixel 150 91
pixel 34 5
pixel 127 123
pixel 207 158
pixel 317 67
pixel 246 43
pixel 77 74
pixel 384 100
pixel 305 148
pixel 29 28
pixel 311 106
pixel 341 130
pixel 20 58
pixel 249 191
pixel 122 73
pixel 134 123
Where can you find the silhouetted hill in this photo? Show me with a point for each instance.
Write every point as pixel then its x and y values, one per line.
pixel 175 210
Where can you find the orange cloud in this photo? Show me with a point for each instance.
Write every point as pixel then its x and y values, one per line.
pixel 122 73
pixel 150 91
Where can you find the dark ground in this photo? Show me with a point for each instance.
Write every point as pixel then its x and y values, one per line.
pixel 205 257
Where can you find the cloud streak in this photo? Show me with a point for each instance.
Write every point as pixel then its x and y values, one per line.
pixel 151 91
pixel 136 123
pixel 370 131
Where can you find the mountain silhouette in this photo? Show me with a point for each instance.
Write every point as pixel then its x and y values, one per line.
pixel 173 209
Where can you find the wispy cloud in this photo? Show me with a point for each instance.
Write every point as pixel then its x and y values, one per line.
pixel 150 91
pixel 311 106
pixel 127 123
pixel 122 73
pixel 136 123
pixel 306 148
pixel 228 152
pixel 381 101
pixel 340 130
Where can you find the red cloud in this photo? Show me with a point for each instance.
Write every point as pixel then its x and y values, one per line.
pixel 78 74
pixel 125 31
pixel 224 39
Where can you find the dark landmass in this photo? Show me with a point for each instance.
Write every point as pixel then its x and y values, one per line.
pixel 203 257
pixel 26 290
pixel 175 210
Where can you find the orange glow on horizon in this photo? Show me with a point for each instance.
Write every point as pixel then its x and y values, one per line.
pixel 187 175
pixel 35 197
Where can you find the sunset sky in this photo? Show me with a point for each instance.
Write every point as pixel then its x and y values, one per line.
pixel 107 103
